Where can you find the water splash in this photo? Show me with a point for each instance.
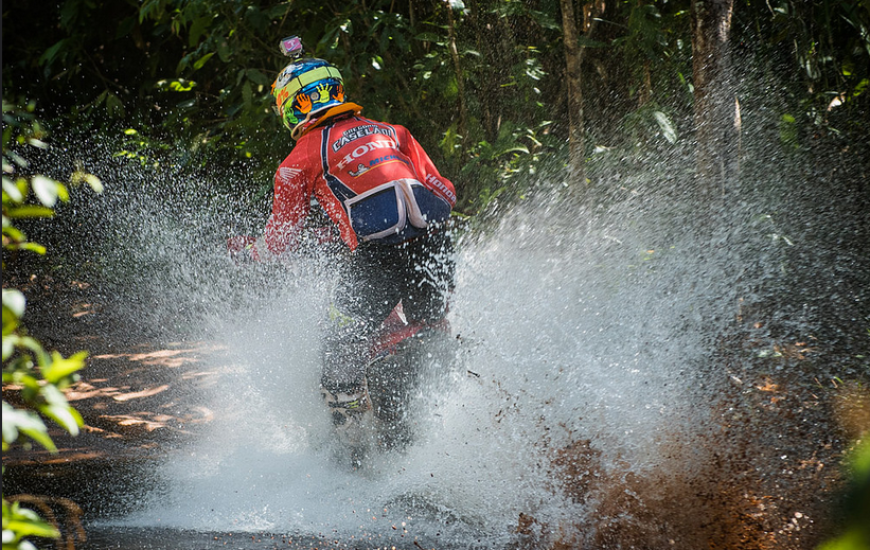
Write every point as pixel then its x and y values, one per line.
pixel 564 335
pixel 602 391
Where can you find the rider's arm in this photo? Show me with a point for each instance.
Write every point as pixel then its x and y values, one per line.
pixel 290 207
pixel 426 169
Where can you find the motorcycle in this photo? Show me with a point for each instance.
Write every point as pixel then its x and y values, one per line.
pixel 396 369
pixel 396 360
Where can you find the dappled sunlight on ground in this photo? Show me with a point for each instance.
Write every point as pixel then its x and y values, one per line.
pixel 138 400
pixel 171 358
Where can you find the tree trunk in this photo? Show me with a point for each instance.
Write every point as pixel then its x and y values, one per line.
pixel 576 145
pixel 717 119
pixel 488 86
pixel 457 67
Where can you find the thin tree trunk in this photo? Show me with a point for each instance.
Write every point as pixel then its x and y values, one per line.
pixel 717 120
pixel 489 87
pixel 457 67
pixel 645 92
pixel 576 144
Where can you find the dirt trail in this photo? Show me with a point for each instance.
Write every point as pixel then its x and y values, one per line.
pixel 137 392
pixel 768 484
pixel 132 401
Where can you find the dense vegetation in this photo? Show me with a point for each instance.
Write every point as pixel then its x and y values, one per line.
pixel 482 84
pixel 506 95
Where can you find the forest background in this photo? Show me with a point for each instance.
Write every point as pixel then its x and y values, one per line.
pixel 509 97
pixel 495 90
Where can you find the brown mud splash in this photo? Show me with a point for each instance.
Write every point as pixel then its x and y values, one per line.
pixel 766 475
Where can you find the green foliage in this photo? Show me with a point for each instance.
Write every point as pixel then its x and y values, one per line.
pixel 20 523
pixel 509 165
pixel 649 123
pixel 193 77
pixel 856 534
pixel 38 375
pixel 829 42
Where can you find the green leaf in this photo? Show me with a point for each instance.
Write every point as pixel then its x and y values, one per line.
pixel 788 131
pixel 258 78
pixel 31 247
pixel 62 367
pixel 198 28
pixel 15 301
pixel 665 126
pixel 30 211
pixel 12 191
pixel 79 176
pixel 8 344
pixel 51 53
pixel 38 143
pixel 19 421
pixel 30 527
pixel 428 37
pixel 59 410
pixel 852 539
pixel 66 416
pixel 46 190
pixel 860 462
pixel 95 183
pixel 224 51
pixel 114 106
pixel 202 61
pixel 31 344
pixel 21 522
pixel 11 231
pixel 181 85
pixel 512 149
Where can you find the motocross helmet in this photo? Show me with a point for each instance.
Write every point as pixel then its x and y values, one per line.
pixel 305 88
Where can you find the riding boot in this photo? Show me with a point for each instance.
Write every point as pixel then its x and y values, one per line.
pixel 352 417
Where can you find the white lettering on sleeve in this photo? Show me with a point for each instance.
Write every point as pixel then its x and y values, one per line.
pixel 432 180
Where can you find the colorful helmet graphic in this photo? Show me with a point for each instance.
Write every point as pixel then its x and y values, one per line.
pixel 304 88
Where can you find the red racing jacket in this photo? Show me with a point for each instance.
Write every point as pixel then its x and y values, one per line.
pixel 373 180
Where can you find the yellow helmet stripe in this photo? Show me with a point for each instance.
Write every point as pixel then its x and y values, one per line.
pixel 309 77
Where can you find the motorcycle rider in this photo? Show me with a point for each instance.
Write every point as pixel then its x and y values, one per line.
pixel 389 204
